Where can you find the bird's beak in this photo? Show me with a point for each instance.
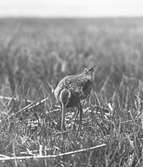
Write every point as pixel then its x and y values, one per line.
pixel 92 68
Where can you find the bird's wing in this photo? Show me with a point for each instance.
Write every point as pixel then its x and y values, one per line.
pixel 64 97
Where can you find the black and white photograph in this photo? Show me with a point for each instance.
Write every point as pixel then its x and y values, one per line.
pixel 71 83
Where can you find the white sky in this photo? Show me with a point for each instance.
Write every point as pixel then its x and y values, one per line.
pixel 71 8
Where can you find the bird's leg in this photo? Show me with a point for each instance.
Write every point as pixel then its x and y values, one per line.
pixel 80 112
pixel 80 115
pixel 63 117
pixel 75 116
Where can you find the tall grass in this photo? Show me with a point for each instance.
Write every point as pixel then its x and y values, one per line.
pixel 35 55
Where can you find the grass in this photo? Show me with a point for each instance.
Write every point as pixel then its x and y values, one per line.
pixel 34 55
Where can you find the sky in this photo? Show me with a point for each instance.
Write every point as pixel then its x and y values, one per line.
pixel 71 8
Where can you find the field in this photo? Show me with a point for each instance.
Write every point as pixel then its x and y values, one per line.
pixel 35 54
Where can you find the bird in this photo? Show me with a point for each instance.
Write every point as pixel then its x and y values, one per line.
pixel 72 89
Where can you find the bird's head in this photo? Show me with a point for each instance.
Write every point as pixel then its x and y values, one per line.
pixel 89 71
